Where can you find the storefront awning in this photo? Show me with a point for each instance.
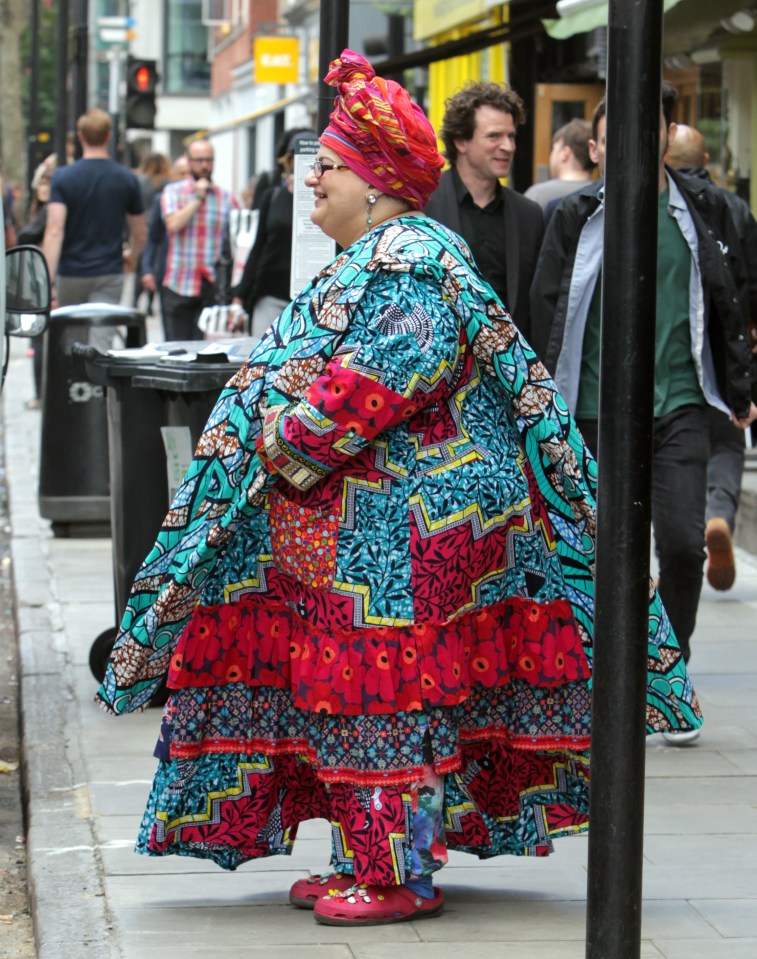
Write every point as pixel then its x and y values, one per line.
pixel 250 118
pixel 580 16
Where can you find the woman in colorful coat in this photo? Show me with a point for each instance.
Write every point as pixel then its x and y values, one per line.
pixel 373 593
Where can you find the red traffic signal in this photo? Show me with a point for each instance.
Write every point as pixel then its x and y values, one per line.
pixel 142 78
pixel 141 83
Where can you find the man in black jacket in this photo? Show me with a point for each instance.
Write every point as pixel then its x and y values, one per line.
pixel 702 356
pixel 688 155
pixel 503 229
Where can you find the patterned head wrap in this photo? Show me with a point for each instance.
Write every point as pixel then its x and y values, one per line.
pixel 380 133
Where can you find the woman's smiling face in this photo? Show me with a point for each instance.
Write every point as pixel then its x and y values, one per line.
pixel 340 208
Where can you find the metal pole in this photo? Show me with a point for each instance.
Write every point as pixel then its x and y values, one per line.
pixel 396 36
pixel 80 32
pixel 625 453
pixel 114 96
pixel 62 71
pixel 335 28
pixel 33 133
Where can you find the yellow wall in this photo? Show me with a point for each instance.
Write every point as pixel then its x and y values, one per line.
pixel 448 76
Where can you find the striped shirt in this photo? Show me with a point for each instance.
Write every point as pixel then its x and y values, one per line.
pixel 194 251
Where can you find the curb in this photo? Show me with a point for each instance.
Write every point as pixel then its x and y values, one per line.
pixel 745 534
pixel 65 876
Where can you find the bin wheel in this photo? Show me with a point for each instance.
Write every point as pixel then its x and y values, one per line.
pixel 99 654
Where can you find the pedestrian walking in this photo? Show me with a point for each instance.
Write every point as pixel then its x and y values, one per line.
pixel 503 229
pixel 570 165
pixel 95 203
pixel 264 288
pixel 373 592
pixel 33 233
pixel 702 358
pixel 196 214
pixel 152 176
pixel 152 263
pixel 725 466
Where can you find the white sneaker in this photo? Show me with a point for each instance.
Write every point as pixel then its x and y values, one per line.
pixel 681 737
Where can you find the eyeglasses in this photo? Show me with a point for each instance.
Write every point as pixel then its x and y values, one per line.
pixel 320 167
pixel 200 159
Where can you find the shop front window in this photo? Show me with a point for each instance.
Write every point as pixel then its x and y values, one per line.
pixel 186 63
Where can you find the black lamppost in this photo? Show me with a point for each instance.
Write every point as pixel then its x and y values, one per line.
pixel 626 409
pixel 33 132
pixel 335 28
pixel 61 126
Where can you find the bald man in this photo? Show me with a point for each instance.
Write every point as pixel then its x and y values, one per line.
pixel 687 153
pixel 686 150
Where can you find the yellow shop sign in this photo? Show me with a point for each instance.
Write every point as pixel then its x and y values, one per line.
pixel 276 59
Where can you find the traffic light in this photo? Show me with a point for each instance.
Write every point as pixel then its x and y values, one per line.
pixel 141 80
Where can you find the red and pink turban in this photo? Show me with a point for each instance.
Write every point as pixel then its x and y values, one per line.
pixel 380 133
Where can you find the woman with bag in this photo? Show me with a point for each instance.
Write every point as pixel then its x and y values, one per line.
pixel 33 233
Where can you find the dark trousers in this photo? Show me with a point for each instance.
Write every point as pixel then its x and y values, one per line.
pixel 679 495
pixel 181 313
pixel 725 467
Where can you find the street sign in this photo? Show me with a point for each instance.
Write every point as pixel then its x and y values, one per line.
pixel 116 35
pixel 120 23
pixel 116 29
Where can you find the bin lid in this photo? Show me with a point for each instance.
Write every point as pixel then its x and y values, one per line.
pixel 182 352
pixel 189 378
pixel 234 351
pixel 149 353
pixel 194 366
pixel 98 311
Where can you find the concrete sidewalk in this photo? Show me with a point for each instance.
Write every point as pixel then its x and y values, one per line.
pixel 88 775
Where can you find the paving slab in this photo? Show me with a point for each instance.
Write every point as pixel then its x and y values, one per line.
pixel 732 918
pixel 712 949
pixel 745 760
pixel 732 790
pixel 238 926
pixel 516 949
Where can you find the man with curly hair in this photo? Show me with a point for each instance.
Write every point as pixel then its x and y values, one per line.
pixel 503 229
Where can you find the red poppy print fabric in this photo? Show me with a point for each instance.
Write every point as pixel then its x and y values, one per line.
pixel 380 670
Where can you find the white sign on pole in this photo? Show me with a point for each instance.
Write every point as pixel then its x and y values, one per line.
pixel 177 442
pixel 121 23
pixel 311 248
pixel 115 35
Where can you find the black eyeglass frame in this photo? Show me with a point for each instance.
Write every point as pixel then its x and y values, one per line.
pixel 319 167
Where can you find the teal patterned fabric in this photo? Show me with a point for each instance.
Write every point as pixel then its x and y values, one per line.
pixel 219 512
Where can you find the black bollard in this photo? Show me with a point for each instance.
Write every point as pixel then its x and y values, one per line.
pixel 625 454
pixel 335 28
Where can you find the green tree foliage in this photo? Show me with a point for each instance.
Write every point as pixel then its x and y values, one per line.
pixel 47 66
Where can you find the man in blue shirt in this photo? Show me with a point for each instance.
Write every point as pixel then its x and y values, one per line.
pixel 95 206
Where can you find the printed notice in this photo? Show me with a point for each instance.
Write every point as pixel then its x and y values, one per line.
pixel 177 442
pixel 311 248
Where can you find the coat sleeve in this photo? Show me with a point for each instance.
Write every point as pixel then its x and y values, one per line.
pixel 547 284
pixel 402 354
pixel 530 257
pixel 155 230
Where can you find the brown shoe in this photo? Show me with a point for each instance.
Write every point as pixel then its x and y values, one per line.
pixel 721 566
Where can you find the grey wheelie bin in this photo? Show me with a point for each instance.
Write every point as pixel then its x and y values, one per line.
pixel 74 476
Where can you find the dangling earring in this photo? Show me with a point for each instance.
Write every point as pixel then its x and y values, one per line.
pixel 371 199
